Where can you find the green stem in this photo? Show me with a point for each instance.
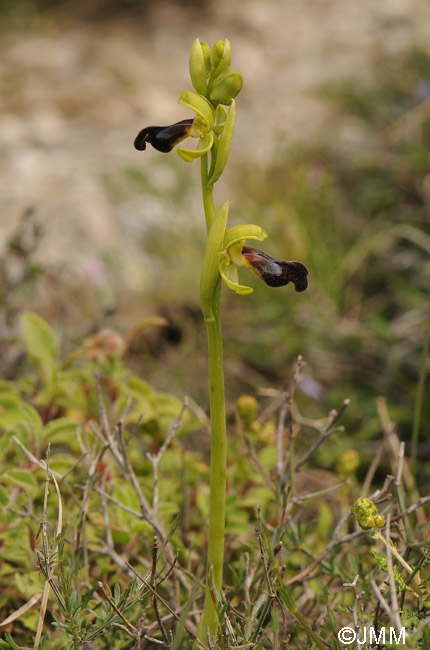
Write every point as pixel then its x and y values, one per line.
pixel 207 192
pixel 211 307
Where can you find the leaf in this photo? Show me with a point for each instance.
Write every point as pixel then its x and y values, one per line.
pixel 61 429
pixel 20 477
pixel 4 499
pixel 8 389
pixel 16 413
pixel 42 345
pixel 10 642
pixel 139 388
pixel 120 536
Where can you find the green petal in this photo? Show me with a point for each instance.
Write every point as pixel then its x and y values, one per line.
pixel 243 232
pixel 205 144
pixel 230 276
pixel 199 105
pixel 224 144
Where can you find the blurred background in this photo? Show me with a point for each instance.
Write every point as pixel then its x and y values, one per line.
pixel 330 155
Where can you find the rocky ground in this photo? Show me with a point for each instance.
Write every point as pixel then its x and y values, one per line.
pixel 74 94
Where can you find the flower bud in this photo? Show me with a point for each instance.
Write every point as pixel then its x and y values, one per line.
pixel 200 65
pixel 379 521
pixel 163 138
pixel 105 344
pixel 247 408
pixel 226 87
pixel 366 523
pixel 348 463
pixel 367 514
pixel 221 57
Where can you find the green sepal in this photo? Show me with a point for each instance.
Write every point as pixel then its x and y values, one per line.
pixel 224 144
pixel 220 117
pixel 210 269
pixel 198 66
pixel 207 57
pixel 205 144
pixel 243 232
pixel 199 105
pixel 225 87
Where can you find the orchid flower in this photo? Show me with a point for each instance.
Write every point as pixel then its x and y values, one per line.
pixel 274 272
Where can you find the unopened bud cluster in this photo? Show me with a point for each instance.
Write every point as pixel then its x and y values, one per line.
pixel 367 514
pixel 210 72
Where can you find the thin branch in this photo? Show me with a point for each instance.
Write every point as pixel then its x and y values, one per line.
pixel 40 622
pixel 154 459
pixel 127 623
pixel 280 460
pixel 372 468
pixel 47 569
pixel 17 613
pixel 312 495
pixel 110 552
pixel 326 433
pixel 382 601
pixel 74 466
pixel 167 606
pixel 353 585
pixel 89 482
pixel 391 578
pixel 105 512
pixel 33 459
pixel 145 508
pixel 253 456
pixel 112 499
pixel 247 582
pixel 152 579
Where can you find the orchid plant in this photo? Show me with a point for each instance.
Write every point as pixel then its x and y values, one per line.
pixel 215 87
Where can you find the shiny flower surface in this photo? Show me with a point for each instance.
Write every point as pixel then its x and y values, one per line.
pixel 274 272
pixel 163 138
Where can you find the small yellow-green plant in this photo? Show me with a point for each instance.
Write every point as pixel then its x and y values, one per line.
pixel 216 85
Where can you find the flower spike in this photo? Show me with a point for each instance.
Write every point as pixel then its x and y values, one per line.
pixel 164 138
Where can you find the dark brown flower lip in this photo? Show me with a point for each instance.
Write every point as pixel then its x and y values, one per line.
pixel 275 272
pixel 163 138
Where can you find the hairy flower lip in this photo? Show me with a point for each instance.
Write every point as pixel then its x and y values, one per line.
pixel 275 272
pixel 163 138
